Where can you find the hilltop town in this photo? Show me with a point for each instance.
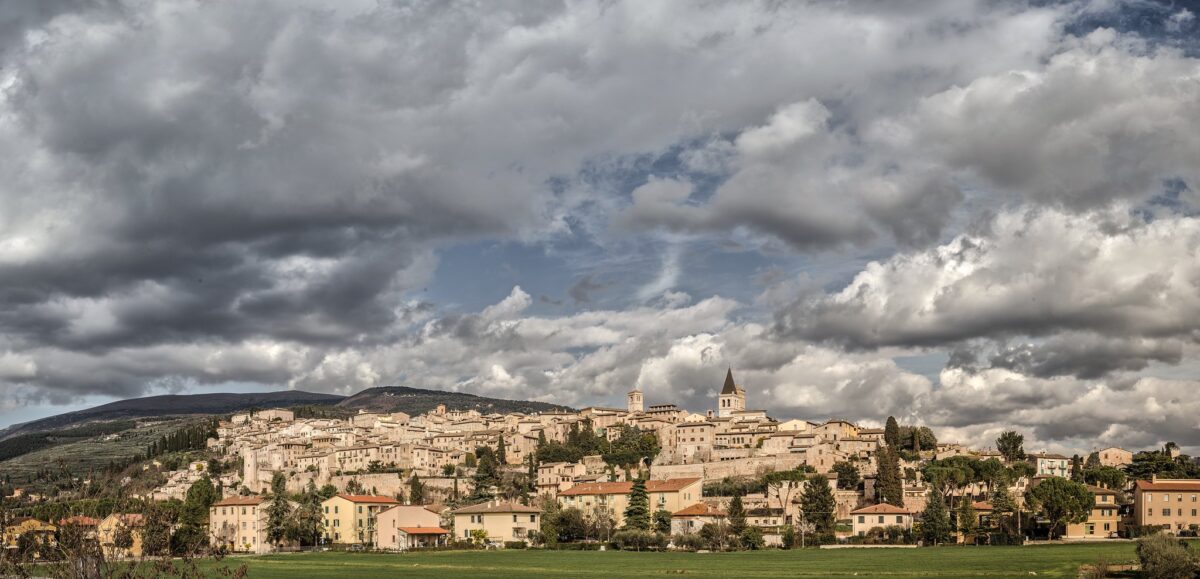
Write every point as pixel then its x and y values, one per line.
pixel 657 476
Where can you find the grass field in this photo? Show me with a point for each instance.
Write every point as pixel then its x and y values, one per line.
pixel 1045 561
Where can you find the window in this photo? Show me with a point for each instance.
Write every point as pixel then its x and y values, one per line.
pixel 1166 512
pixel 533 518
pixel 881 519
pixel 899 520
pixel 514 518
pixel 862 519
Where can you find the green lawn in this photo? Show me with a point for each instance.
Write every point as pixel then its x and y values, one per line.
pixel 1045 561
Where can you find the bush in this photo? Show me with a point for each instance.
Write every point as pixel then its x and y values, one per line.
pixel 515 545
pixel 1136 531
pixel 1165 557
pixel 689 542
pixel 752 538
pixel 632 540
pixel 1005 539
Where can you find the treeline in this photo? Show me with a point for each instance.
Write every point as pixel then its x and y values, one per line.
pixel 194 437
pixel 314 411
pixel 629 448
pixel 27 443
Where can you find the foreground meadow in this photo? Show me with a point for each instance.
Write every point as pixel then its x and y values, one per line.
pixel 1041 561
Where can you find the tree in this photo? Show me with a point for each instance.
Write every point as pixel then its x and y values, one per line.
pixel 501 451
pixel 156 532
pixel 847 475
pixel 353 487
pixel 935 521
pixel 1061 501
pixel 1011 445
pixel 1165 557
pixel 1003 506
pixel 487 474
pixel 967 518
pixel 279 510
pixel 416 490
pixel 308 519
pixel 637 512
pixel 891 432
pixel 782 483
pixel 1093 461
pixel 1077 468
pixel 191 534
pixel 818 505
pixel 736 516
pixel 662 521
pixel 327 492
pixel 1105 476
pixel 889 488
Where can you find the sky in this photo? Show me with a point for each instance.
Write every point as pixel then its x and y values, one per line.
pixel 973 215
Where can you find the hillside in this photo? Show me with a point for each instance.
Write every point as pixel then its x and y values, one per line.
pixel 173 405
pixel 416 401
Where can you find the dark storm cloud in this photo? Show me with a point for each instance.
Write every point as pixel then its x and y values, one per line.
pixel 1086 357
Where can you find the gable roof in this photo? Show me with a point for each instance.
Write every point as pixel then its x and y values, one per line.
pixel 623 488
pixel 698 510
pixel 376 499
pixel 1168 485
pixel 881 509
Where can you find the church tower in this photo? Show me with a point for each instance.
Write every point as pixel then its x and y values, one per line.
pixel 634 401
pixel 732 398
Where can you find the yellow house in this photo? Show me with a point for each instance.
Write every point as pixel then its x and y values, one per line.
pixel 882 515
pixel 1102 522
pixel 670 495
pixel 501 521
pixel 110 529
pixel 350 519
pixel 42 531
pixel 239 524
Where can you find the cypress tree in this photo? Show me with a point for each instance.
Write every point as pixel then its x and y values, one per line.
pixel 888 486
pixel 279 510
pixel 891 432
pixel 935 521
pixel 737 515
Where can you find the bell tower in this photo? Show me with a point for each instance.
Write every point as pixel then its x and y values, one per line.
pixel 634 401
pixel 732 398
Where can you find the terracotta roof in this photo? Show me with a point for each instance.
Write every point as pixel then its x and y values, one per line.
pixel 983 506
pixel 624 488
pixel 424 530
pixel 239 501
pixel 881 509
pixel 1169 485
pixel 131 519
pixel 369 499
pixel 698 510
pixel 1103 491
pixel 494 507
pixel 79 520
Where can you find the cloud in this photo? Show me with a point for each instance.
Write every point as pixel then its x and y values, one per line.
pixel 581 292
pixel 1029 272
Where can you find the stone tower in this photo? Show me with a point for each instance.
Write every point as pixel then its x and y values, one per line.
pixel 634 401
pixel 732 398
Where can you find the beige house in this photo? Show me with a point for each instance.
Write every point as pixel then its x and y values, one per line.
pixel 1115 457
pixel 239 524
pixel 404 527
pixel 501 521
pixel 1048 464
pixel 112 526
pixel 43 532
pixel 693 518
pixel 350 519
pixel 670 495
pixel 555 477
pixel 881 515
pixel 1102 522
pixel 1167 503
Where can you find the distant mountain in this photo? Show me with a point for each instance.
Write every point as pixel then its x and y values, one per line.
pixel 416 401
pixel 175 405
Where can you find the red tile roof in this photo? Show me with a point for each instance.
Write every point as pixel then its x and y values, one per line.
pixel 983 506
pixel 623 488
pixel 79 520
pixel 698 510
pixel 881 509
pixel 424 530
pixel 1169 485
pixel 497 507
pixel 374 499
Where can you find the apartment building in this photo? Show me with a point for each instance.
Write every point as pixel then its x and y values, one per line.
pixel 500 521
pixel 1172 504
pixel 350 519
pixel 239 524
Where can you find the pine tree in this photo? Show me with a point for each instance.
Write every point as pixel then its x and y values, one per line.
pixel 308 520
pixel 968 519
pixel 279 510
pixel 818 504
pixel 935 521
pixel 637 513
pixel 737 516
pixel 891 432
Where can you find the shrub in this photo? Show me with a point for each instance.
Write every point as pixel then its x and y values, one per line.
pixel 515 545
pixel 1165 557
pixel 689 542
pixel 752 538
pixel 634 540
